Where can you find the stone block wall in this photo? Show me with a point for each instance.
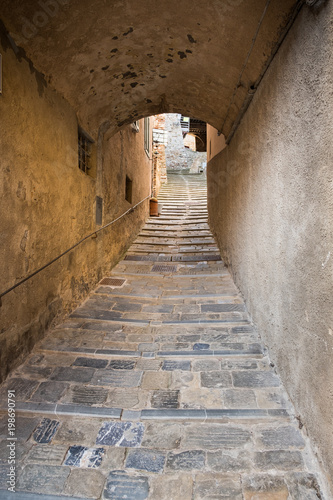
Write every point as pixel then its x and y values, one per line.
pixel 270 204
pixel 47 204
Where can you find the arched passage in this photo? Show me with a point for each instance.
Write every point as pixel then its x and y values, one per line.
pixel 120 61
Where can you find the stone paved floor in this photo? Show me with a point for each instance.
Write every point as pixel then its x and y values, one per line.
pixel 160 387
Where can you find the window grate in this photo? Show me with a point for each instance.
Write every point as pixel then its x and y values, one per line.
pixel 84 151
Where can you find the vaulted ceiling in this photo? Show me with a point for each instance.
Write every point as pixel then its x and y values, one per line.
pixel 120 60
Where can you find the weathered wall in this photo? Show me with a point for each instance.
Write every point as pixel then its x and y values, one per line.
pixel 160 140
pixel 175 152
pixel 47 204
pixel 215 142
pixel 271 208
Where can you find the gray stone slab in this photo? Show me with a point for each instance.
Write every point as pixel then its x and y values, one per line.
pixel 91 362
pixel 117 378
pixel 81 456
pixel 205 365
pixel 38 372
pixel 126 434
pixel 119 364
pixel 24 427
pixel 173 414
pixel 165 399
pixel 255 379
pixel 229 461
pixel 281 438
pixel 170 365
pixel 200 346
pixel 120 486
pixel 46 454
pixel 43 478
pixel 81 410
pixel 49 392
pixel 222 307
pixel 219 379
pixel 278 460
pixel 20 495
pixel 304 485
pixel 118 352
pixel 46 430
pixel 87 395
pixel 186 460
pixel 69 374
pixel 218 486
pixel 216 436
pixel 240 398
pixel 23 388
pixel 146 460
pixel 86 483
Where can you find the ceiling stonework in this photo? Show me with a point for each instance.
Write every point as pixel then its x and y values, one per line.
pixel 118 61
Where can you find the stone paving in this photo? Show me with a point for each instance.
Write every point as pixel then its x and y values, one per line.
pixel 160 387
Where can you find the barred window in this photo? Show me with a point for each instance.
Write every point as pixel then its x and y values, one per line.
pixel 85 143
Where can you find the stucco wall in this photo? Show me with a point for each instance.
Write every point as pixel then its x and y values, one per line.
pixel 271 208
pixel 47 204
pixel 215 142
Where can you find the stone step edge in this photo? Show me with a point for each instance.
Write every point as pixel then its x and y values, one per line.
pixel 87 351
pixel 147 414
pixel 150 298
pixel 22 495
pixel 155 323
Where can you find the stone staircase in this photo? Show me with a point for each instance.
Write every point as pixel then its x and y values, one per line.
pixel 158 386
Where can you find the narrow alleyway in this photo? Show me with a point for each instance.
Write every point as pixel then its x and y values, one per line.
pixel 158 386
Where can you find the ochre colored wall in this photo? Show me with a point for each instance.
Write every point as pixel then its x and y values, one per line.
pixel 271 208
pixel 47 204
pixel 215 142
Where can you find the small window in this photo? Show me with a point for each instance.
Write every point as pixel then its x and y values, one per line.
pixel 147 135
pixel 85 143
pixel 128 190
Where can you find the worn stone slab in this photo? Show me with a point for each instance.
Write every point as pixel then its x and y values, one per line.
pixel 120 486
pixel 203 398
pixel 169 487
pixel 124 398
pixel 173 414
pixel 229 461
pixel 23 388
pixel 126 434
pixel 69 374
pixel 217 487
pixel 205 365
pixel 240 398
pixel 46 430
pixel 86 395
pixel 281 438
pixel 91 362
pixel 156 380
pixel 42 478
pixel 170 365
pixel 265 487
pixel 78 430
pixel 49 392
pixel 222 307
pixel 200 346
pixel 46 454
pixel 162 436
pixel 85 483
pixel 119 364
pixel 216 379
pixel 165 399
pixel 148 364
pixel 38 372
pixel 146 460
pixel 216 436
pixel 255 379
pixel 304 485
pixel 186 460
pixel 117 378
pixel 81 456
pixel 24 427
pixel 278 460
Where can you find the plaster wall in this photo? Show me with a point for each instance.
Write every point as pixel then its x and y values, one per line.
pixel 47 204
pixel 215 142
pixel 271 208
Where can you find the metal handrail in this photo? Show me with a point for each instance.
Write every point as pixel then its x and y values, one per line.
pixel 69 249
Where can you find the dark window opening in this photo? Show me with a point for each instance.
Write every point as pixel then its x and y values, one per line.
pixel 128 190
pixel 147 135
pixel 85 143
